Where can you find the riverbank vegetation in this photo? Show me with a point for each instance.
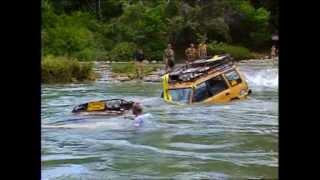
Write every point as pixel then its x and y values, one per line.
pixel 63 70
pixel 129 69
pixel 110 30
pixel 237 52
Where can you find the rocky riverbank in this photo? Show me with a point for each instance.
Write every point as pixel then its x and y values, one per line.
pixel 103 70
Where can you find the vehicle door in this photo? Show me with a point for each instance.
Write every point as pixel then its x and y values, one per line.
pixel 236 84
pixel 214 90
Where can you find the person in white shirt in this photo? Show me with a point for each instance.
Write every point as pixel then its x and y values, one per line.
pixel 139 117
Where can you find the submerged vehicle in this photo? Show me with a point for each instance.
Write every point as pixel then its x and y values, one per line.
pixel 104 107
pixel 212 80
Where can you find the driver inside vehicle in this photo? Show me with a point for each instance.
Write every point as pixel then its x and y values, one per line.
pixel 216 85
pixel 209 88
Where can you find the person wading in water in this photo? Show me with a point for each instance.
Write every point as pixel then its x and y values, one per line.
pixel 138 116
pixel 137 112
pixel 168 58
pixel 138 57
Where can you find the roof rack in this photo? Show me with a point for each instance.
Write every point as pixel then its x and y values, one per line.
pixel 201 67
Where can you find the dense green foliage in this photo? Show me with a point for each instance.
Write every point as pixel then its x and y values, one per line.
pixel 70 35
pixel 62 69
pixel 111 31
pixel 122 51
pixel 237 52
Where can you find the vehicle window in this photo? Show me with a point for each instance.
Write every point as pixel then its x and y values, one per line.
pixel 113 104
pixel 180 95
pixel 209 88
pixel 201 92
pixel 216 85
pixel 233 77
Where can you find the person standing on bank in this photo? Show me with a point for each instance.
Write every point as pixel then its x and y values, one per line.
pixel 202 50
pixel 273 52
pixel 168 58
pixel 138 57
pixel 191 53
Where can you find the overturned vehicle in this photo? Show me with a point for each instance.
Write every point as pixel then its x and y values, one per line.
pixel 104 107
pixel 212 80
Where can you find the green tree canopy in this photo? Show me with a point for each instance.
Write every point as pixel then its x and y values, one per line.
pixel 89 29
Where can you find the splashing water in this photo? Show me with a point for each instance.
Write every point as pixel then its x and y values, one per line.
pixel 260 75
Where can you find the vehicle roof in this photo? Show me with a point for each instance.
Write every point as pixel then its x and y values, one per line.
pixel 189 84
pixel 200 71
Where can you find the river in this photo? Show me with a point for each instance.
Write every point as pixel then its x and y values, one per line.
pixel 237 140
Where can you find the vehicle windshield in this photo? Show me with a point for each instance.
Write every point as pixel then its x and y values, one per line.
pixel 180 95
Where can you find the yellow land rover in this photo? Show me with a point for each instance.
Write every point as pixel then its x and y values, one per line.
pixel 212 80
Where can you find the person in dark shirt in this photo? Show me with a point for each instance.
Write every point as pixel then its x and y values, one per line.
pixel 168 58
pixel 138 57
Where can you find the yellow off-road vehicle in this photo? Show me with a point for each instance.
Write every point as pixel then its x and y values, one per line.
pixel 212 80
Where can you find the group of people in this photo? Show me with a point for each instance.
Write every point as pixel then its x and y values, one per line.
pixel 191 54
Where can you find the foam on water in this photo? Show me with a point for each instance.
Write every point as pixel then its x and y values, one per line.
pixel 262 78
pixel 64 171
pixel 110 123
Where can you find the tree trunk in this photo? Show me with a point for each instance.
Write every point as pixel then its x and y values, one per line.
pixel 98 9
